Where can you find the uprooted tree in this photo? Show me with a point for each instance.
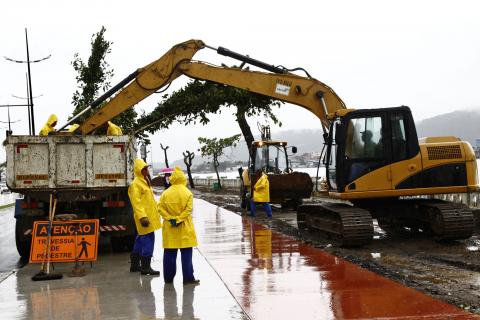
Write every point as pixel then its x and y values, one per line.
pixel 165 154
pixel 198 99
pixel 93 78
pixel 213 148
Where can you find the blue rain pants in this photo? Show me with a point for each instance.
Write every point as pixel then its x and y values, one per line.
pixel 144 244
pixel 170 264
pixel 266 207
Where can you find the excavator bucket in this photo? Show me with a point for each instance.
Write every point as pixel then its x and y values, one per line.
pixel 293 186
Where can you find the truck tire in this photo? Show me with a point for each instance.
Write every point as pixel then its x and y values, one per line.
pixel 23 242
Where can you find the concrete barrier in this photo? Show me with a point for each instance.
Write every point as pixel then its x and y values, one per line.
pixel 226 183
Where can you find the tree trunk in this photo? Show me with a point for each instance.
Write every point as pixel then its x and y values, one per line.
pixel 215 166
pixel 165 154
pixel 190 179
pixel 245 128
pixel 187 159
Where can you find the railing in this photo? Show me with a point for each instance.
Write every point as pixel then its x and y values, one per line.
pixel 470 199
pixel 226 183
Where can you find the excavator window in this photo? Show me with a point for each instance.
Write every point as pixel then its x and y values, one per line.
pixel 364 138
pixel 364 145
pixel 271 159
pixel 399 139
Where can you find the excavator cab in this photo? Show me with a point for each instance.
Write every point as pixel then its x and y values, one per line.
pixel 365 140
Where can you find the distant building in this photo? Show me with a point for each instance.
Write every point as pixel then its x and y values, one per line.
pixel 477 148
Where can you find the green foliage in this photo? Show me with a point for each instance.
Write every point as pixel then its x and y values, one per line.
pixel 94 76
pixel 193 103
pixel 213 148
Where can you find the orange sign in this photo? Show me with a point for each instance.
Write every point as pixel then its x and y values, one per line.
pixel 69 240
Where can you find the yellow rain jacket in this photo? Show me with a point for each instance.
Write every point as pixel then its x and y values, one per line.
pixel 246 178
pixel 113 129
pixel 143 201
pixel 47 128
pixel 261 190
pixel 177 203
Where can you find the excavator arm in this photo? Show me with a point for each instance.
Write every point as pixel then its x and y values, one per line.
pixel 306 92
pixel 142 83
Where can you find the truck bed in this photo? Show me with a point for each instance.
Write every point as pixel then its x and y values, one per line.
pixel 57 163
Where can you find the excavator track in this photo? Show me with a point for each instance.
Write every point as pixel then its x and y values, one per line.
pixel 351 225
pixel 448 221
pixel 440 219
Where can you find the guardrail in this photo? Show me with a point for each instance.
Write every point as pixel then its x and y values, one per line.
pixel 470 199
pixel 226 183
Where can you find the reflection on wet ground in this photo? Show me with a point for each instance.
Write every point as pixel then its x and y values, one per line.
pixel 110 291
pixel 247 271
pixel 276 277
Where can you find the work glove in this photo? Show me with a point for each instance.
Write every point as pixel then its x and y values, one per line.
pixel 144 222
pixel 173 222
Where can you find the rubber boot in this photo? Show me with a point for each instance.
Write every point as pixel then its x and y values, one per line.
pixel 134 262
pixel 194 282
pixel 146 269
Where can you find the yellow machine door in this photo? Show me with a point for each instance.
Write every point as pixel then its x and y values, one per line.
pixel 406 160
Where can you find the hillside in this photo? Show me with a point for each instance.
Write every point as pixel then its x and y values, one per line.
pixel 463 124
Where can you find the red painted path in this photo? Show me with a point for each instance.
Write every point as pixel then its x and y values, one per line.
pixel 273 276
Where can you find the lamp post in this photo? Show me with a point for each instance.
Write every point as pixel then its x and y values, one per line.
pixel 29 85
pixel 9 132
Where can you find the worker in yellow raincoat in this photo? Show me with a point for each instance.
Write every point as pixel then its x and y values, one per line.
pixel 49 126
pixel 178 232
pixel 147 219
pixel 261 194
pixel 113 129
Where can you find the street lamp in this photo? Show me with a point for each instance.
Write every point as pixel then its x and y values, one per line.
pixel 29 87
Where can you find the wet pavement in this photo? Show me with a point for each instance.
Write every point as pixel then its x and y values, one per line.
pixel 247 271
pixel 110 291
pixel 277 277
pixel 9 257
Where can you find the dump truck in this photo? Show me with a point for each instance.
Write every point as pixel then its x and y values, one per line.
pixel 89 176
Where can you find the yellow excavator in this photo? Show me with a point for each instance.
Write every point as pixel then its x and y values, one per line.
pixel 373 157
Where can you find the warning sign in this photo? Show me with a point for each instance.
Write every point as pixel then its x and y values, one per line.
pixel 69 240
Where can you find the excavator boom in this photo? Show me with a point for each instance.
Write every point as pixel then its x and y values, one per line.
pixel 306 92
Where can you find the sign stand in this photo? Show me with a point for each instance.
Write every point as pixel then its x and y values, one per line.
pixel 77 271
pixel 46 275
